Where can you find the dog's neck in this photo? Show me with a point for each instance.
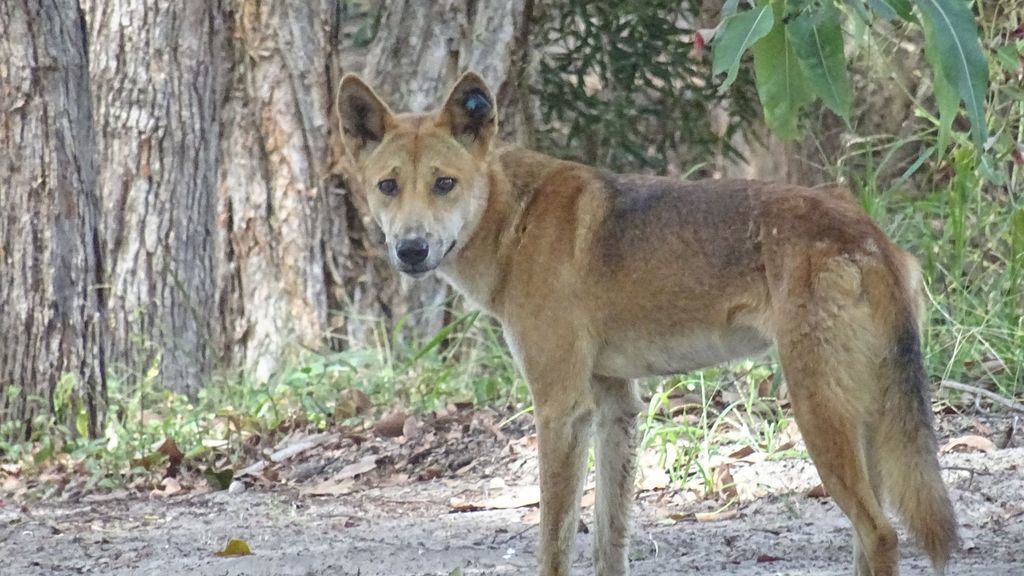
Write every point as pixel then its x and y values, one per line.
pixel 479 269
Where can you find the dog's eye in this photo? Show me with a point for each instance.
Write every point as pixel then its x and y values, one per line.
pixel 388 187
pixel 444 185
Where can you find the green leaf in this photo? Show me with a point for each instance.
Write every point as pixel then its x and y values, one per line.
pixel 945 94
pixel 219 479
pixel 1016 246
pixel 234 547
pixel 738 33
pixel 82 423
pixel 863 16
pixel 890 9
pixel 781 84
pixel 729 8
pixel 818 42
pixel 955 40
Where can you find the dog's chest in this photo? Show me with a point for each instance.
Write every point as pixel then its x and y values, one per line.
pixel 639 355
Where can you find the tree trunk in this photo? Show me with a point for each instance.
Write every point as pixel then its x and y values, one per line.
pixel 272 178
pixel 419 51
pixel 155 87
pixel 51 305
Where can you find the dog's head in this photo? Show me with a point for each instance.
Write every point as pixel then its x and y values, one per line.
pixel 425 175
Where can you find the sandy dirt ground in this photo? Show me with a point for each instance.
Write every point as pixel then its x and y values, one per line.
pixel 421 527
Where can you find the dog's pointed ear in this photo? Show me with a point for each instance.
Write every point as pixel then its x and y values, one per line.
pixel 365 118
pixel 470 114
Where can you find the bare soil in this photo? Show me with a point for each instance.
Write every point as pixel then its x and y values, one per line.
pixel 400 520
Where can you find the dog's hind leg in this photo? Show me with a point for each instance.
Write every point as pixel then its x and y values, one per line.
pixel 616 443
pixel 831 345
pixel 833 427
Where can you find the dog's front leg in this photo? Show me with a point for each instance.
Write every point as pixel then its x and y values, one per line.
pixel 563 438
pixel 559 380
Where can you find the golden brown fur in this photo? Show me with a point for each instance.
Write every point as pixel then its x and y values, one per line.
pixel 600 278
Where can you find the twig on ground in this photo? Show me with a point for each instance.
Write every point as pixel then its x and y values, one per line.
pixel 982 392
pixel 971 471
pixel 1008 437
pixel 512 537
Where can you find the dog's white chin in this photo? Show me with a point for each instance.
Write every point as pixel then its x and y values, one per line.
pixel 417 274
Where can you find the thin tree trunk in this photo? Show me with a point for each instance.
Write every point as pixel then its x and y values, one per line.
pixel 155 86
pixel 275 156
pixel 51 304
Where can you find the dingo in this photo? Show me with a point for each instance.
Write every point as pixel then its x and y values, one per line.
pixel 599 278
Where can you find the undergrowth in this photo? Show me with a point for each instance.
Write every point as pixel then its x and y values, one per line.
pixel 966 229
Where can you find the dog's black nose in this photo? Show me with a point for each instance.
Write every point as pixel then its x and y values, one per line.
pixel 412 251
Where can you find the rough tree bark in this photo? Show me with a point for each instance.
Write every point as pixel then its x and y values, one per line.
pixel 274 146
pixel 155 91
pixel 225 240
pixel 51 304
pixel 420 50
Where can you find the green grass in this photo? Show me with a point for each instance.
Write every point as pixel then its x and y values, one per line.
pixel 234 416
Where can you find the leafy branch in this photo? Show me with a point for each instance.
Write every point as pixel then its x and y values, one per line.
pixel 797 48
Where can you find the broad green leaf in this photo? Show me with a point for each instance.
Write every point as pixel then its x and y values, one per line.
pixel 891 9
pixel 729 8
pixel 738 33
pixel 956 42
pixel 781 84
pixel 945 94
pixel 818 42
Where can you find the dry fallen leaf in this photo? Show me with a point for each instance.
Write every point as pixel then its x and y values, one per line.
pixel 351 402
pixel 818 491
pixel 294 446
pixel 968 443
pixel 532 516
pixel 516 497
pixel 741 453
pixel 169 487
pixel 342 483
pixel 412 428
pixel 724 482
pixel 716 516
pixel 361 466
pixel 391 425
pixel 174 456
pixel 330 488
pixel 234 548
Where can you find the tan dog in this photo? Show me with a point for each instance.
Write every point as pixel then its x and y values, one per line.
pixel 599 278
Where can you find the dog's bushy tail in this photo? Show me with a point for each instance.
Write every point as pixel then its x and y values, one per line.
pixel 904 446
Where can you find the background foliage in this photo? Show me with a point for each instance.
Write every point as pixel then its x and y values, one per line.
pixel 629 86
pixel 624 85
